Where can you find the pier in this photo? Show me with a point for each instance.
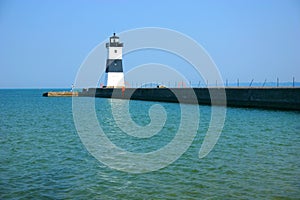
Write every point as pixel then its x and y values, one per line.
pixel 267 98
pixel 60 94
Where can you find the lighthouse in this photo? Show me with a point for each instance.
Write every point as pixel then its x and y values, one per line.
pixel 114 76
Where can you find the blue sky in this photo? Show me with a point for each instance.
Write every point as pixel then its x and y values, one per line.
pixel 43 43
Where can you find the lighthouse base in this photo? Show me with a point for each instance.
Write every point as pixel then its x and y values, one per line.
pixel 114 80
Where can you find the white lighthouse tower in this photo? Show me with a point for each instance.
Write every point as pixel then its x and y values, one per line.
pixel 114 76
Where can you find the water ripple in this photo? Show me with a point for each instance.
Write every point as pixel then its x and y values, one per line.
pixel 42 157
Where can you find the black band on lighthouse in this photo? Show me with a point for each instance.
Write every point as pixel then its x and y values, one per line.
pixel 114 65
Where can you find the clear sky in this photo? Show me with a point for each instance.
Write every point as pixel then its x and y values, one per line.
pixel 43 43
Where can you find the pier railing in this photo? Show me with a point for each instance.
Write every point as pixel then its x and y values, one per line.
pixel 212 83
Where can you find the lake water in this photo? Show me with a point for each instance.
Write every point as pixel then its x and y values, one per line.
pixel 42 157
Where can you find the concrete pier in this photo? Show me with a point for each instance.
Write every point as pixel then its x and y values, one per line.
pixel 267 98
pixel 60 94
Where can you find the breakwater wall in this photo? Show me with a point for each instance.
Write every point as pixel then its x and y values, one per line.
pixel 267 98
pixel 60 94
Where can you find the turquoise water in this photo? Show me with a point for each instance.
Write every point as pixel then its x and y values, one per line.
pixel 42 157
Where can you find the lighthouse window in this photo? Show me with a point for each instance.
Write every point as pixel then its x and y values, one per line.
pixel 115 51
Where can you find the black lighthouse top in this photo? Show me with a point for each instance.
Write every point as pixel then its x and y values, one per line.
pixel 114 41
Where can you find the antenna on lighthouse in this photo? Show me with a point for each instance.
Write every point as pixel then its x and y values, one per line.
pixel 114 76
